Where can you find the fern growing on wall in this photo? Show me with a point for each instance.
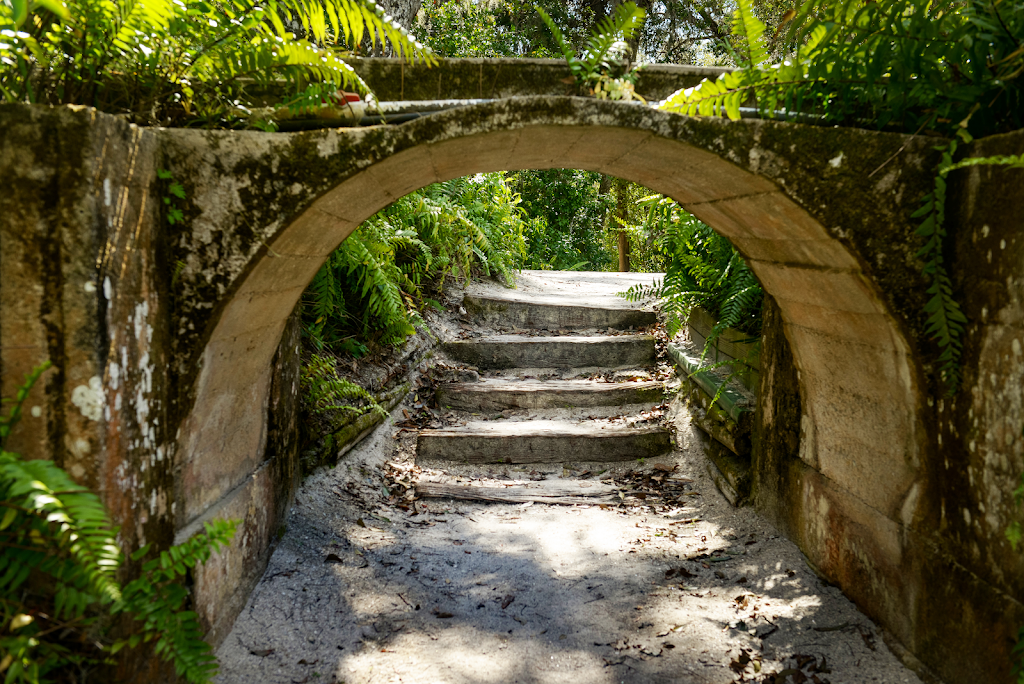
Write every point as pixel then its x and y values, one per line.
pixel 325 391
pixel 59 561
pixel 703 269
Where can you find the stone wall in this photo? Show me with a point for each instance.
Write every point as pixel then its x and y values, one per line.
pixel 87 282
pixel 949 564
pixel 173 392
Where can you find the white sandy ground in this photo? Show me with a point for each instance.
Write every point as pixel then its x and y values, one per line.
pixel 582 580
pixel 361 592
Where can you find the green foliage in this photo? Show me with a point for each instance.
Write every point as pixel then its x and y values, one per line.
pixel 175 191
pixel 894 63
pixel 324 391
pixel 703 269
pixel 182 61
pixel 462 28
pixel 58 576
pixel 946 321
pixel 631 216
pixel 948 66
pixel 370 288
pixel 602 67
pixel 565 211
pixel 358 288
pixel 157 599
pixel 751 51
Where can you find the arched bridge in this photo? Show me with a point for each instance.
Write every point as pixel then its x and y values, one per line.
pixel 175 390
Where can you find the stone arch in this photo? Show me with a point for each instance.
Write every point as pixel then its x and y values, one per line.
pixel 859 384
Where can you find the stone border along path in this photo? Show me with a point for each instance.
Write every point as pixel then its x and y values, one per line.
pixel 646 575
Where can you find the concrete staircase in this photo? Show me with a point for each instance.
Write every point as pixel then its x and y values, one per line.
pixel 535 408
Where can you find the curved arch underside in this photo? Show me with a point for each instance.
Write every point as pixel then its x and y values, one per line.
pixel 859 386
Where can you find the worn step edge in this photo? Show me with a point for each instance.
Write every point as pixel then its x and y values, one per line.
pixel 551 314
pixel 495 394
pixel 516 494
pixel 519 351
pixel 540 441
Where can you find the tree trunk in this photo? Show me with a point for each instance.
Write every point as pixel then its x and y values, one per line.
pixel 622 212
pixel 403 12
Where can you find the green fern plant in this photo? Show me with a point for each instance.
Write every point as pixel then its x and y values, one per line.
pixel 898 64
pixel 358 288
pixel 59 562
pixel 601 68
pixel 703 269
pixel 324 391
pixel 179 61
pixel 894 63
pixel 372 287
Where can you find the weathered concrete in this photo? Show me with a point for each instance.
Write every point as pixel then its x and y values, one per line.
pixel 541 441
pixel 730 345
pixel 494 395
pixel 514 351
pixel 729 472
pixel 500 78
pixel 568 300
pixel 523 311
pixel 164 336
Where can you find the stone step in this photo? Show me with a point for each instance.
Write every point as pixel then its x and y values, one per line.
pixel 521 351
pixel 495 394
pixel 541 441
pixel 555 312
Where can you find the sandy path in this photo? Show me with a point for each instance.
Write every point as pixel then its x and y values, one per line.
pixel 686 589
pixel 590 601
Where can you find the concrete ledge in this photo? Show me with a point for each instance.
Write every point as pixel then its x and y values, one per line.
pixel 495 395
pixel 392 79
pixel 346 434
pixel 734 403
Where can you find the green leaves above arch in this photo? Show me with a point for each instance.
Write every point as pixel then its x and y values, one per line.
pixel 947 68
pixel 185 61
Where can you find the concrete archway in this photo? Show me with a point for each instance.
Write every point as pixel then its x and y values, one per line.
pixel 763 185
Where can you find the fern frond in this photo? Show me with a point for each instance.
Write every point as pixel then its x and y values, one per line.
pixel 750 29
pixel 567 51
pixel 59 560
pixel 325 391
pixel 608 40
